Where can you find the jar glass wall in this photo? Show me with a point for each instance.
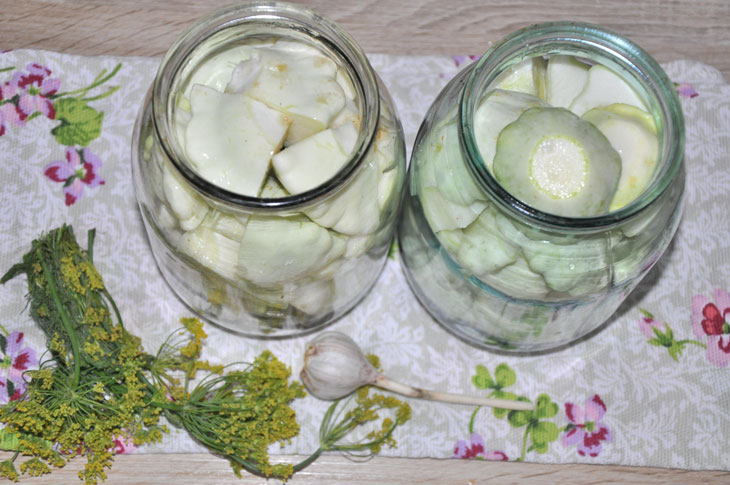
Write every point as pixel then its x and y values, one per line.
pixel 268 248
pixel 496 270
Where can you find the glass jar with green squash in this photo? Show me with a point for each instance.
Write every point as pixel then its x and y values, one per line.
pixel 545 182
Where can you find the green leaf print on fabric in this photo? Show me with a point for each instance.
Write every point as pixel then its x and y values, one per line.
pixel 661 334
pixel 539 432
pixel 80 123
pixel 34 92
pixel 504 376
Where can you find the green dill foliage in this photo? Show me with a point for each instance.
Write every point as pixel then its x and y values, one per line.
pixel 99 384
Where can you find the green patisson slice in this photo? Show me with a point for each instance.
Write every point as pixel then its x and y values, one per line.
pixel 565 78
pixel 527 76
pixel 482 249
pixel 558 163
pixel 445 169
pixel 604 87
pixel 498 109
pixel 632 133
pixel 442 214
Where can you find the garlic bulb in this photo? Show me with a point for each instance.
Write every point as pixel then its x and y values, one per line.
pixel 334 366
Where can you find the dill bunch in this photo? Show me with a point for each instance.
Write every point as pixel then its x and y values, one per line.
pixel 98 384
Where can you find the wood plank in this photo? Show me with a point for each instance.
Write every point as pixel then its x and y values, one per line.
pixel 669 30
pixel 206 469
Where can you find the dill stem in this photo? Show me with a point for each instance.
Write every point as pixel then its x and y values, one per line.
pixel 65 319
pixel 308 461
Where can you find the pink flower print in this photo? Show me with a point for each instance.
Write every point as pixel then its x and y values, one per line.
pixel 712 321
pixel 585 428
pixel 647 324
pixel 16 359
pixel 80 168
pixel 476 449
pixel 686 90
pixel 123 444
pixel 9 114
pixel 36 87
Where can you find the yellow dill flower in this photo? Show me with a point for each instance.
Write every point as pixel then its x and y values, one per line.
pixel 72 275
pixel 95 315
pixel 34 467
pixel 194 347
pixel 7 470
pixel 94 280
pixel 93 350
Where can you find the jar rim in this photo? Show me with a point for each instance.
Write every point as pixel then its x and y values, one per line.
pixel 614 49
pixel 285 16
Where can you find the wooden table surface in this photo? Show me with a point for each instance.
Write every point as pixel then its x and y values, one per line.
pixel 667 29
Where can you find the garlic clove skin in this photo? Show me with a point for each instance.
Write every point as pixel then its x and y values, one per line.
pixel 334 366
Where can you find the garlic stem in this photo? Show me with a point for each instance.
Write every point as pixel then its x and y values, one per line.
pixel 334 366
pixel 410 391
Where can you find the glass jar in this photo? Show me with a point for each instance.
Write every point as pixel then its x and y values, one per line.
pixel 275 263
pixel 499 273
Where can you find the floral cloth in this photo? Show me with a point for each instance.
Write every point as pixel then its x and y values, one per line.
pixel 651 389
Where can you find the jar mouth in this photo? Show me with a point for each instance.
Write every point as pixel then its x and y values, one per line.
pixel 605 47
pixel 258 19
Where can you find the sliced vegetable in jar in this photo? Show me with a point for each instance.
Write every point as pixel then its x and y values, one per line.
pixel 633 135
pixel 555 162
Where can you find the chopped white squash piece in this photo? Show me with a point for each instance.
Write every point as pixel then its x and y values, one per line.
pixel 245 74
pixel 451 239
pixel 310 162
pixel 345 83
pixel 276 249
pixel 354 209
pixel 302 85
pixel 211 249
pixel 227 225
pixel 216 71
pixel 450 173
pixel 187 206
pixel 313 298
pixel 231 138
pixel 272 189
pixel 518 281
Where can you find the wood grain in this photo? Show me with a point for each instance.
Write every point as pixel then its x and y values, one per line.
pixel 205 469
pixel 668 29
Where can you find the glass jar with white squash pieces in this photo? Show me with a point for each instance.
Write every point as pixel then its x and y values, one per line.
pixel 268 164
pixel 545 182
